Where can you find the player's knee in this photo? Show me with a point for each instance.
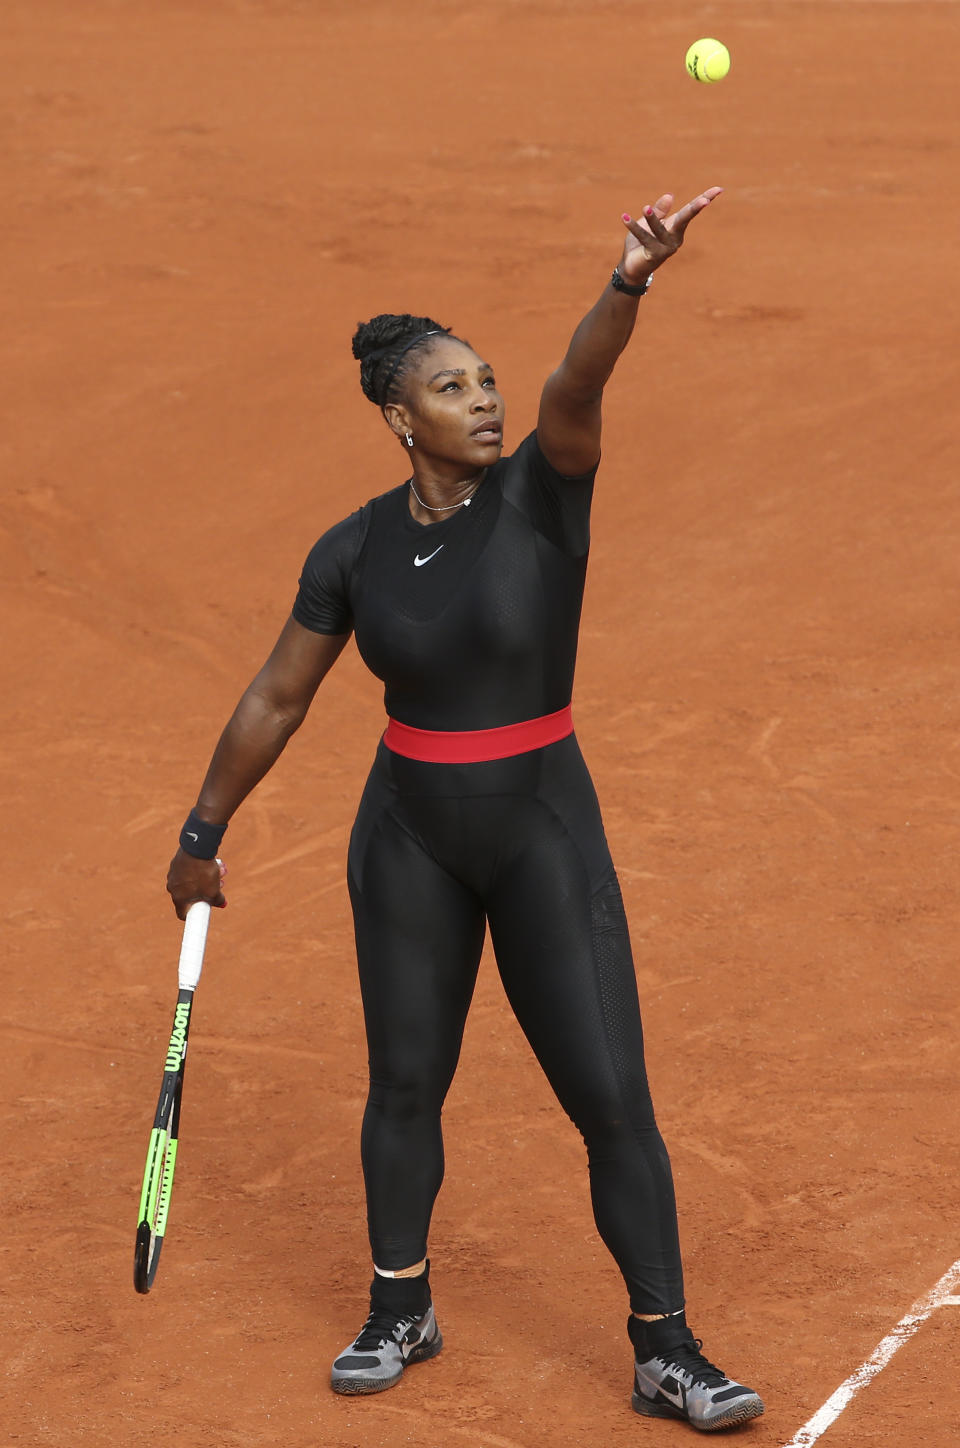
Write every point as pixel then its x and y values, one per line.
pixel 405 1098
pixel 609 1125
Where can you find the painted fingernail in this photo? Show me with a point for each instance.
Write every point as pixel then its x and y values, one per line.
pixel 648 211
pixel 625 217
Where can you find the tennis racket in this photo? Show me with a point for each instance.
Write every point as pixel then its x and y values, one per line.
pixel 162 1151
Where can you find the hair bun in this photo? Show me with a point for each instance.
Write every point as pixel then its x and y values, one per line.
pixel 385 331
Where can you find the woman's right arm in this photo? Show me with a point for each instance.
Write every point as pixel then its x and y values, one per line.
pixel 271 709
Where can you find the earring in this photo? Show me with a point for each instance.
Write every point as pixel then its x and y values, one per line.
pixel 408 439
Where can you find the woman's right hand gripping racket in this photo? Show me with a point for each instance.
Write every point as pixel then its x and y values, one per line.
pixel 162 1152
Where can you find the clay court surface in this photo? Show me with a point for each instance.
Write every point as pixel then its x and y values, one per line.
pixel 200 202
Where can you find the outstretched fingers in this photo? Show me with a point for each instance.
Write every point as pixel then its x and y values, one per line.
pixel 648 224
pixel 654 221
pixel 681 219
pixel 656 235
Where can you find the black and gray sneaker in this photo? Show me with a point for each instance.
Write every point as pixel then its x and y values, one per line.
pixel 672 1379
pixel 400 1330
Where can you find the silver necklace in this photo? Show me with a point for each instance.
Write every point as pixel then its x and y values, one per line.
pixel 463 503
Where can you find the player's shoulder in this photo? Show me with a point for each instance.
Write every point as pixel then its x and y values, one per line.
pixel 529 458
pixel 523 454
pixel 556 504
pixel 339 535
pixel 351 531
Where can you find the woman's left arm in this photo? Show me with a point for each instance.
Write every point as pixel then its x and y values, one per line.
pixel 568 428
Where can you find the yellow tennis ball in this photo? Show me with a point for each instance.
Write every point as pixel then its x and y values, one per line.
pixel 708 60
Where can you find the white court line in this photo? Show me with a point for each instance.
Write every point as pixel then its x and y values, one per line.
pixel 938 1296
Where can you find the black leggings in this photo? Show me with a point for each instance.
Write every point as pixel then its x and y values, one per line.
pixel 437 850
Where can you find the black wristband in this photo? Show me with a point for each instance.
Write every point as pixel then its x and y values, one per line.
pixel 619 285
pixel 200 839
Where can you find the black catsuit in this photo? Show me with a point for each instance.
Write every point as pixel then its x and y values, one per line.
pixel 472 622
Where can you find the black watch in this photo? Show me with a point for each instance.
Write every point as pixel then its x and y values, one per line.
pixel 619 285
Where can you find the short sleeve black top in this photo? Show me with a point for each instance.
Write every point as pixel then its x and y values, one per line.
pixel 471 622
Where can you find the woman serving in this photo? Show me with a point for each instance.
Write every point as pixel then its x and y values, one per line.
pixel 463 587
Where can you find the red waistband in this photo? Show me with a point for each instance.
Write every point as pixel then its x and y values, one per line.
pixel 474 746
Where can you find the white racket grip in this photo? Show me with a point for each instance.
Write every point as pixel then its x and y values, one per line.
pixel 194 944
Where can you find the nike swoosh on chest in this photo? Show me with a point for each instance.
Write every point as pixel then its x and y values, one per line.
pixel 418 562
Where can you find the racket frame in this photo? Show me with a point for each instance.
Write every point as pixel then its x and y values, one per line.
pixel 162 1149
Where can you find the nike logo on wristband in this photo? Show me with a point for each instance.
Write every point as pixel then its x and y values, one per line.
pixel 190 835
pixel 418 562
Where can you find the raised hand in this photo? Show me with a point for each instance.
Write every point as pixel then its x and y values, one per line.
pixel 656 235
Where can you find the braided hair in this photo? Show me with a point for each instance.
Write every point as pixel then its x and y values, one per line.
pixel 384 347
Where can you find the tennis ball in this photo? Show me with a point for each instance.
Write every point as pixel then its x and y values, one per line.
pixel 708 60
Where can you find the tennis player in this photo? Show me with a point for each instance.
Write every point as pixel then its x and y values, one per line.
pixel 463 587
